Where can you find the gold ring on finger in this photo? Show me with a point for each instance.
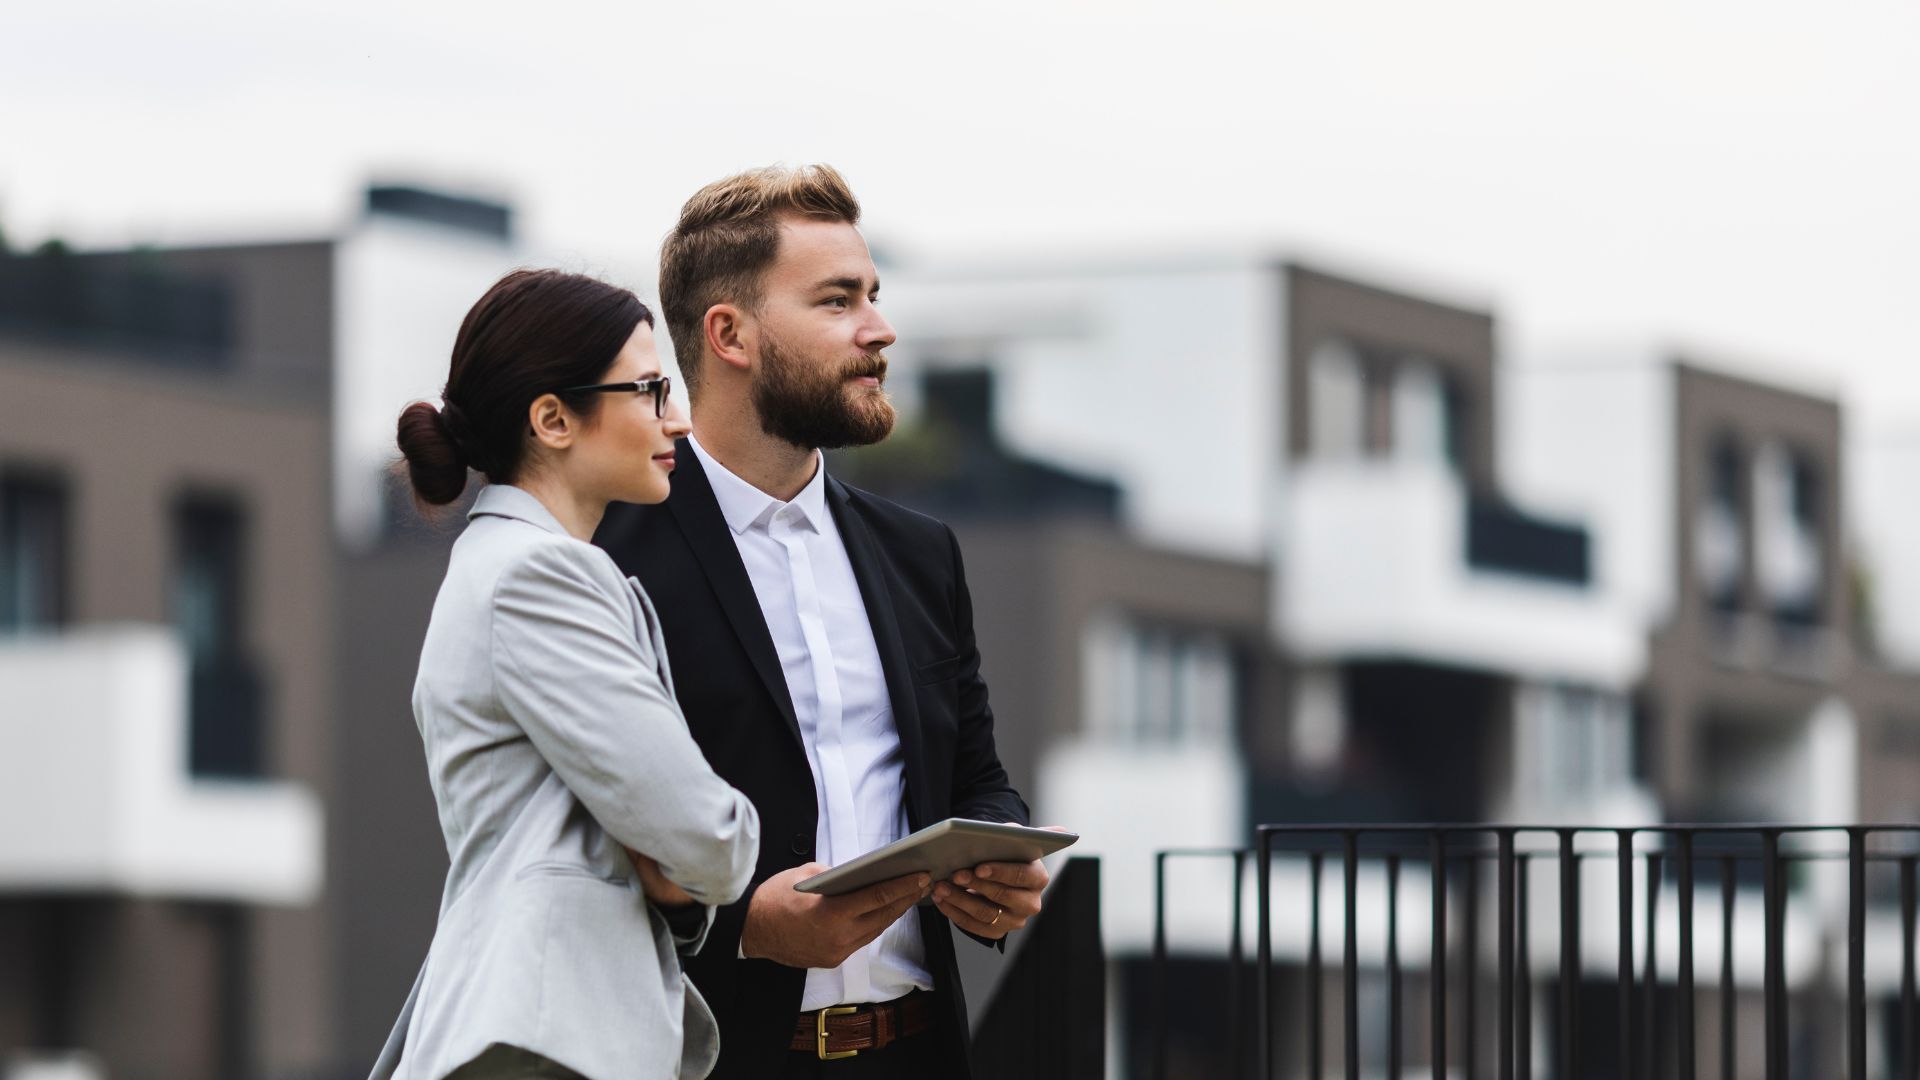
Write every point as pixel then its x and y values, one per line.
pixel 996 915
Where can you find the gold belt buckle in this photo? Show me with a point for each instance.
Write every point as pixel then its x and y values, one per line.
pixel 820 1032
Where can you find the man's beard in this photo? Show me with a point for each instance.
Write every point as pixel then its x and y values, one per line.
pixel 808 407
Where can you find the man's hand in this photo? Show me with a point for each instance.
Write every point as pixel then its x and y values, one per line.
pixel 807 931
pixel 993 898
pixel 663 892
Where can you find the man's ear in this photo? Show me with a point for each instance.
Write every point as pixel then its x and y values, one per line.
pixel 552 425
pixel 729 336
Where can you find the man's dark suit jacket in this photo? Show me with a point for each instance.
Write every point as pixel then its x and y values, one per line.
pixel 729 682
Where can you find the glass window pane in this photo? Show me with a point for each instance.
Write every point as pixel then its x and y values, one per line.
pixel 33 551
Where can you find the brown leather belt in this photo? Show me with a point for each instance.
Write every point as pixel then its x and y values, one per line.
pixel 844 1030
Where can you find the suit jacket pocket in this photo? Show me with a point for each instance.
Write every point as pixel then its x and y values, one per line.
pixel 938 671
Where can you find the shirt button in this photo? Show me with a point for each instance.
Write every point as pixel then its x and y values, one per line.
pixel 802 844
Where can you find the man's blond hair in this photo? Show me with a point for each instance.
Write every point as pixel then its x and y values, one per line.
pixel 727 236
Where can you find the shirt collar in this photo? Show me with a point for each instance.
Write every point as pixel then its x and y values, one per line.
pixel 505 500
pixel 745 506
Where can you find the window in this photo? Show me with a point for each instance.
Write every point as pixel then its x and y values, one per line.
pixel 1337 403
pixel 1156 684
pixel 1577 743
pixel 33 551
pixel 208 608
pixel 1426 421
pixel 207 575
pixel 1788 557
pixel 1719 541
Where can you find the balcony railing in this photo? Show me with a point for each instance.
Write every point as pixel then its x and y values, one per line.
pixel 141 307
pixel 1373 866
pixel 1503 539
pixel 226 722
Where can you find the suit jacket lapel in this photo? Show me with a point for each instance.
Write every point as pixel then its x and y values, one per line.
pixel 870 573
pixel 697 513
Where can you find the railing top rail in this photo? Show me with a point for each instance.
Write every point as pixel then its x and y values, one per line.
pixel 1471 841
pixel 1496 828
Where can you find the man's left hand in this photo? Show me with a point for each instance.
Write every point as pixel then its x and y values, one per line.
pixel 992 898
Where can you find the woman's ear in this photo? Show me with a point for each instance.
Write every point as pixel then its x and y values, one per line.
pixel 550 423
pixel 729 333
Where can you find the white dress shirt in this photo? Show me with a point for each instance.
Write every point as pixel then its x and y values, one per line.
pixel 804 581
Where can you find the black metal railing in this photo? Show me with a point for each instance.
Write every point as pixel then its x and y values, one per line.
pixel 1646 1002
pixel 1504 539
pixel 139 305
pixel 1048 1016
pixel 226 719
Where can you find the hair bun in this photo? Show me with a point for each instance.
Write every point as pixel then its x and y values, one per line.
pixel 436 461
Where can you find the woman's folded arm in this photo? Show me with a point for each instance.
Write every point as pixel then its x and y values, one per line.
pixel 571 673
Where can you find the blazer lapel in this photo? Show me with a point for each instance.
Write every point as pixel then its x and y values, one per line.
pixel 697 513
pixel 870 574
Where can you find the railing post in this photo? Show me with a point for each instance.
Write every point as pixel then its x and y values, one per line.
pixel 1685 1020
pixel 1775 933
pixel 1350 965
pixel 1437 969
pixel 1504 840
pixel 1648 1000
pixel 1569 958
pixel 1159 1019
pixel 1625 847
pixel 1857 953
pixel 1263 988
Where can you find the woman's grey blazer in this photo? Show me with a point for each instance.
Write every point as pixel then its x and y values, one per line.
pixel 552 738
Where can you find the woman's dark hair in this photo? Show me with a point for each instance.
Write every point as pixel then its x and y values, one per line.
pixel 533 333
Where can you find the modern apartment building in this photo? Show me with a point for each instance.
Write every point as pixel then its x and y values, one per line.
pixel 1358 569
pixel 215 856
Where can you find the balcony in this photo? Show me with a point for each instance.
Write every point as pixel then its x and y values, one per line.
pixel 1394 560
pixel 97 793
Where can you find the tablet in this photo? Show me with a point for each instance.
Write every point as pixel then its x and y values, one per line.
pixel 940 850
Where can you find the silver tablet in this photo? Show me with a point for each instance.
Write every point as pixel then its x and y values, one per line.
pixel 940 850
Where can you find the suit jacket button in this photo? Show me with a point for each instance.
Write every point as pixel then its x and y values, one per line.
pixel 802 844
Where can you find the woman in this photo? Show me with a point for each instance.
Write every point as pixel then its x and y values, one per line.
pixel 588 837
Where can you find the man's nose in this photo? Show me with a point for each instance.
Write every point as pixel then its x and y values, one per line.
pixel 877 333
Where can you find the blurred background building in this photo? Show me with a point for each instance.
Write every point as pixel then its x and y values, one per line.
pixel 1251 539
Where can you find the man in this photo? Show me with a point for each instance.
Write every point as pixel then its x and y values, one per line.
pixel 822 642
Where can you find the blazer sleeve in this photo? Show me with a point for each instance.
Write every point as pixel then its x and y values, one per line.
pixel 570 671
pixel 980 789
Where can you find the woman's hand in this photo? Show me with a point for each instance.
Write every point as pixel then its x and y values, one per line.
pixel 661 891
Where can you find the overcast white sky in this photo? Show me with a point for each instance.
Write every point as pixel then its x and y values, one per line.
pixel 1741 177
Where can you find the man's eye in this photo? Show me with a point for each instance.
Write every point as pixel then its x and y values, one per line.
pixel 837 301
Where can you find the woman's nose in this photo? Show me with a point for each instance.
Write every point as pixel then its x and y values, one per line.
pixel 676 421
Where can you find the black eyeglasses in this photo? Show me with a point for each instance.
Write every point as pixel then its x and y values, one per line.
pixel 659 386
